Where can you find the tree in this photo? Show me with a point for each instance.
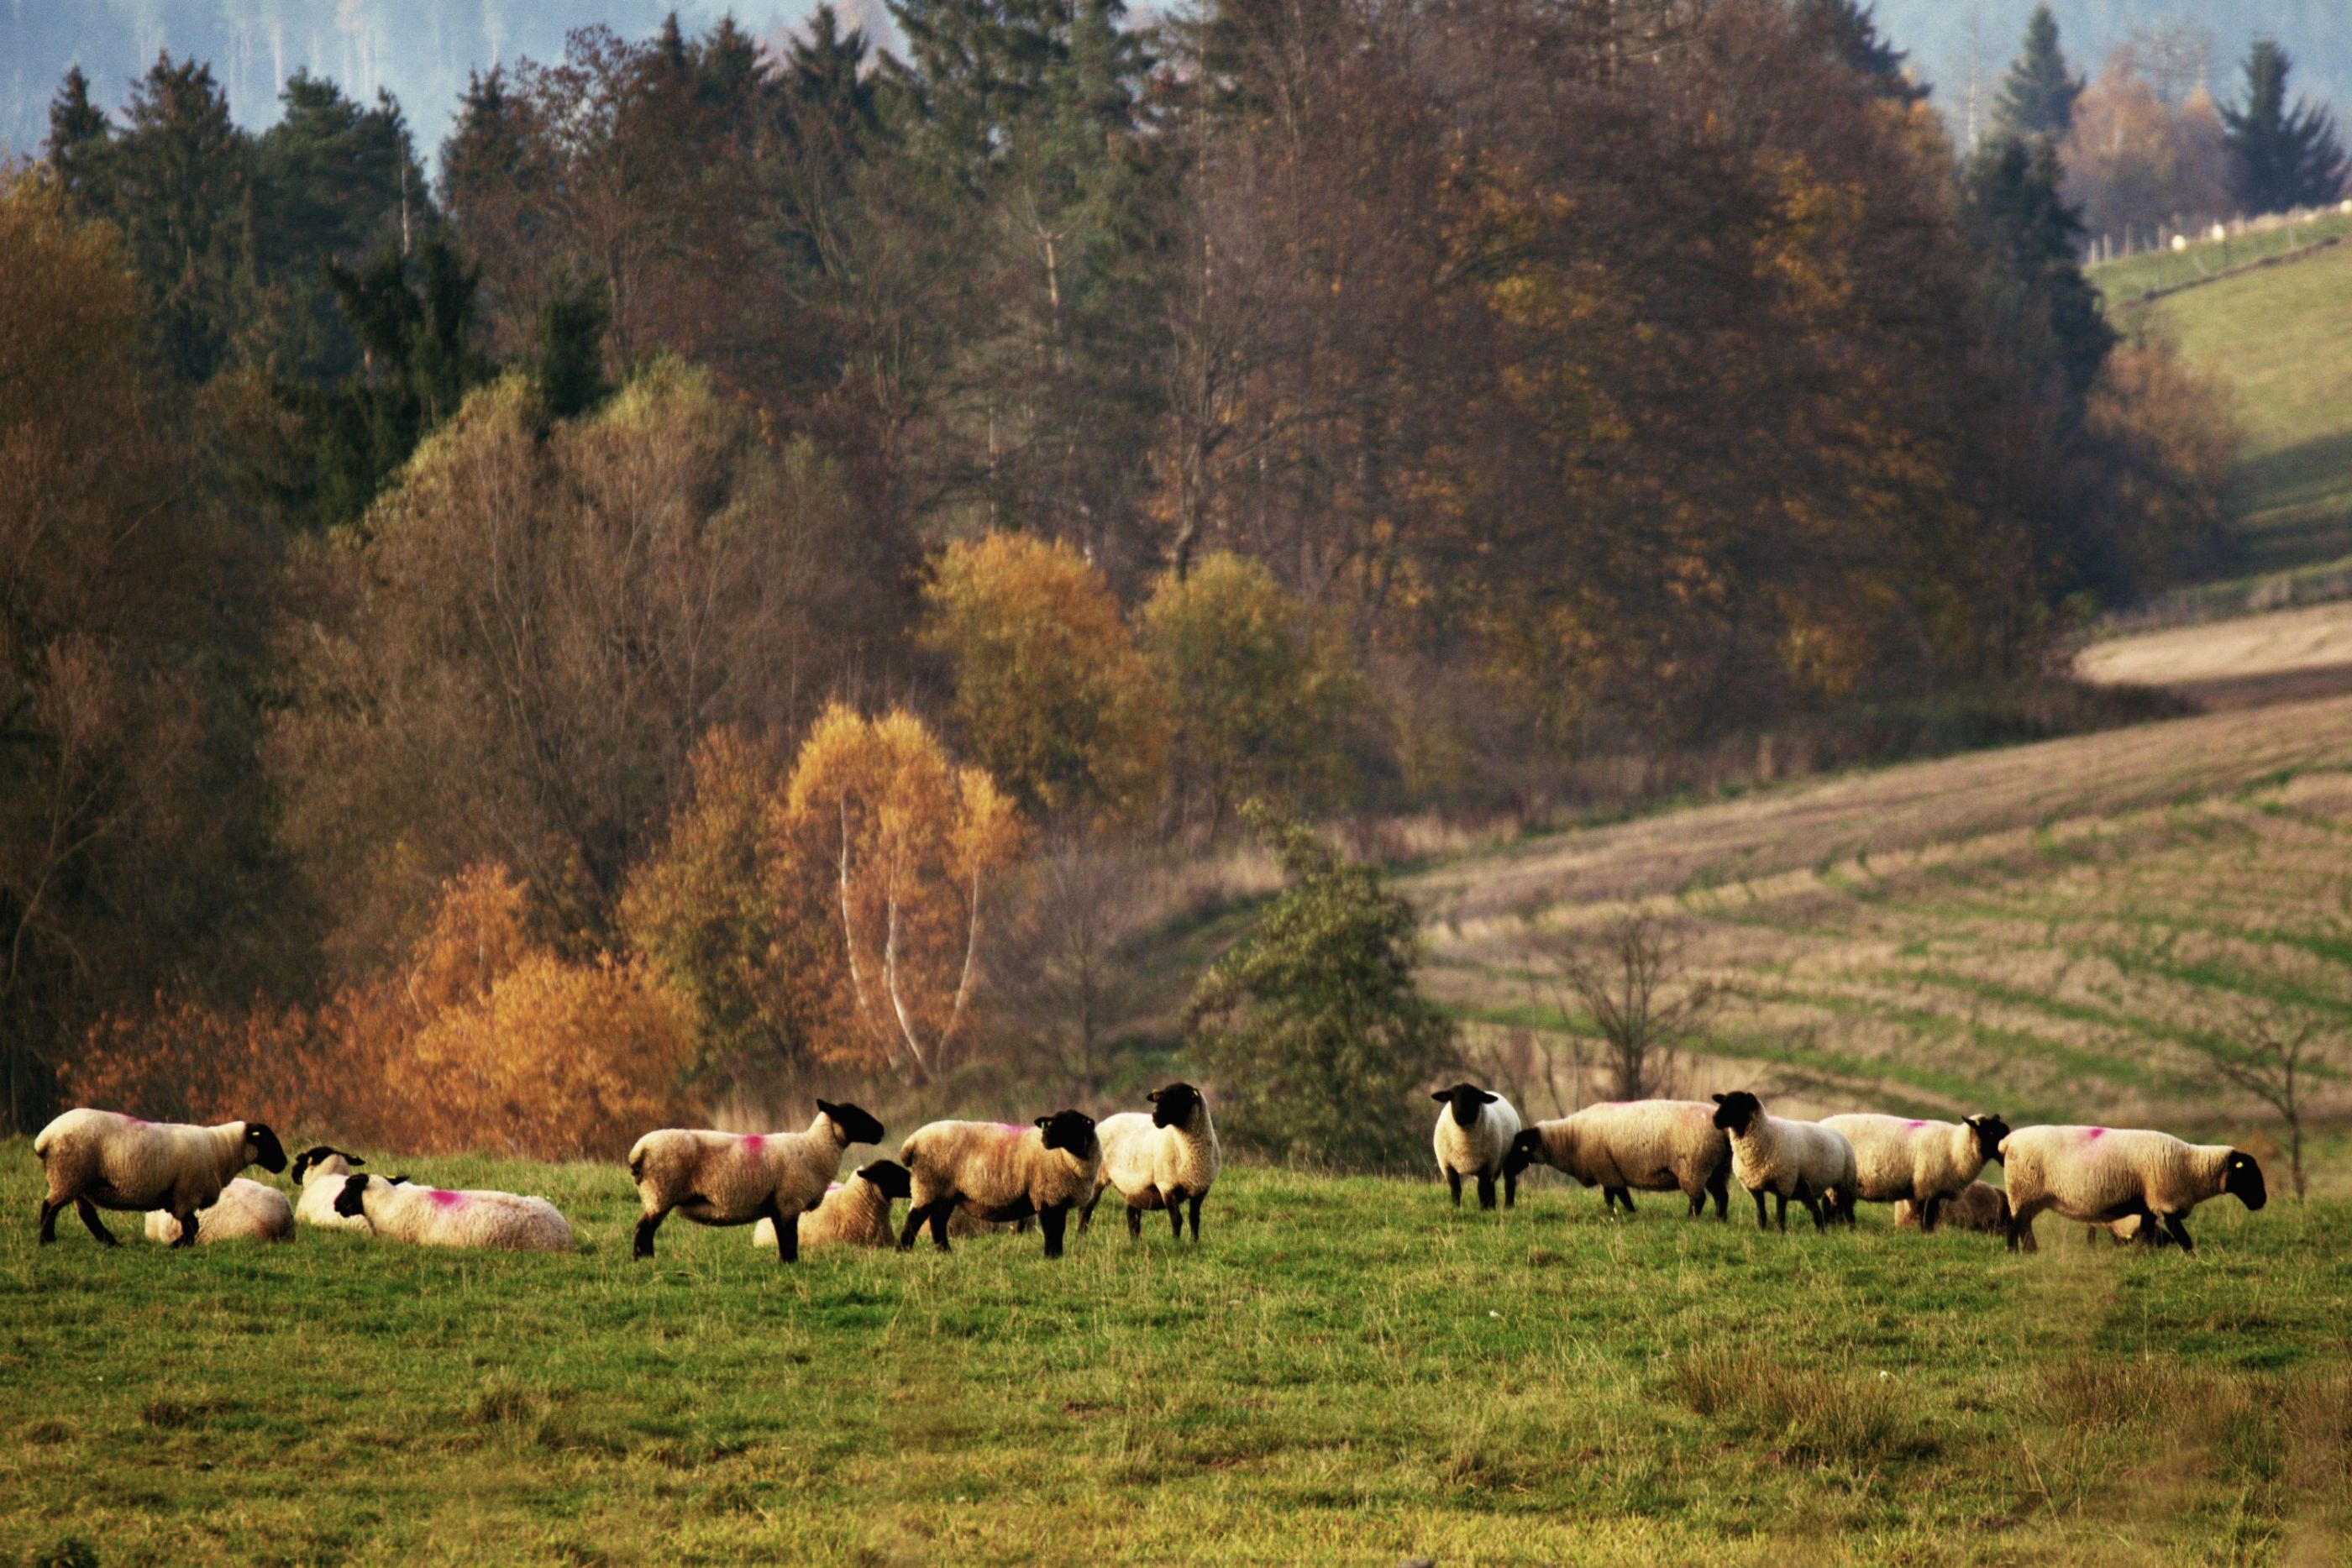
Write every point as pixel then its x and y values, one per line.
pixel 2133 163
pixel 2282 159
pixel 913 847
pixel 2273 1058
pixel 1849 30
pixel 2037 98
pixel 1631 980
pixel 2031 238
pixel 1052 697
pixel 80 138
pixel 1311 1026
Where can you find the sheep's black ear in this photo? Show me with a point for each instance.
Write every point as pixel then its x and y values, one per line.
pixel 1152 1097
pixel 1044 1121
pixel 1719 1099
pixel 827 1108
pixel 355 1159
pixel 1486 1099
pixel 1442 1096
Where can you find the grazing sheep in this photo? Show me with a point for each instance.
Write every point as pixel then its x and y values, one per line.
pixel 995 1170
pixel 436 1217
pixel 729 1178
pixel 854 1213
pixel 1980 1207
pixel 1802 1160
pixel 1164 1159
pixel 1657 1145
pixel 1897 1159
pixel 100 1159
pixel 1473 1139
pixel 249 1210
pixel 2097 1175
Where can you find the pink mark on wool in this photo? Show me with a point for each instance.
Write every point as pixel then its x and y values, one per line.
pixel 443 1198
pixel 2093 1134
pixel 1011 1129
pixel 1914 1124
pixel 833 1186
pixel 753 1143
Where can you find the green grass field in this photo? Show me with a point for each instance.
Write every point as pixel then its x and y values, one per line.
pixel 2127 278
pixel 1346 1371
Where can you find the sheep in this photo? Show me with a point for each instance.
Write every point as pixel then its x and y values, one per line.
pixel 436 1217
pixel 247 1211
pixel 1657 1145
pixel 999 1171
pixel 2129 1229
pixel 320 1172
pixel 1979 1207
pixel 102 1159
pixel 1927 1163
pixel 854 1213
pixel 729 1178
pixel 2100 1174
pixel 1473 1139
pixel 1802 1160
pixel 1167 1158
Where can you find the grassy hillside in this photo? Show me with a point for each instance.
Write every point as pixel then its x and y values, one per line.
pixel 1345 1372
pixel 2280 340
pixel 2046 930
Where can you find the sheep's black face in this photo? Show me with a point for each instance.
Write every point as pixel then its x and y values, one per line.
pixel 1468 1101
pixel 2241 1178
pixel 890 1177
pixel 1734 1111
pixel 856 1126
pixel 262 1147
pixel 319 1154
pixel 348 1202
pixel 1071 1130
pixel 1174 1106
pixel 1526 1150
pixel 1989 1130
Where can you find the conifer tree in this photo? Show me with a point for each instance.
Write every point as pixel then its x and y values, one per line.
pixel 2037 98
pixel 1849 30
pixel 2281 158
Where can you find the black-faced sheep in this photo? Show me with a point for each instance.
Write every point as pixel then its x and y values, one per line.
pixel 1800 1160
pixel 248 1210
pixel 102 1159
pixel 854 1213
pixel 996 1170
pixel 1163 1159
pixel 1980 1207
pixel 1655 1146
pixel 2097 1175
pixel 1473 1139
pixel 733 1178
pixel 1898 1158
pixel 439 1217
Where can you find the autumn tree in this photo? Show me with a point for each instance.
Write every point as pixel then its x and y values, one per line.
pixel 2133 163
pixel 914 848
pixel 1052 695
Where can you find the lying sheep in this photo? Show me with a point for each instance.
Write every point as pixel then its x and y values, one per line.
pixel 1165 1159
pixel 854 1213
pixel 1927 1163
pixel 248 1210
pixel 1802 1160
pixel 100 1159
pixel 1656 1145
pixel 739 1178
pixel 2097 1175
pixel 1473 1139
pixel 320 1172
pixel 995 1170
pixel 436 1217
pixel 1980 1207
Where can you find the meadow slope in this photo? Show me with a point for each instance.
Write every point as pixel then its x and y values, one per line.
pixel 1346 1372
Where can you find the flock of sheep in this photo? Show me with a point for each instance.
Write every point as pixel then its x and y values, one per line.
pixel 963 1177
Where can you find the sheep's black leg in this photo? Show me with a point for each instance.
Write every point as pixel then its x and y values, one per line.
pixel 187 1229
pixel 1934 1207
pixel 916 1215
pixel 1050 1219
pixel 1454 1180
pixel 646 1225
pixel 49 1208
pixel 1134 1222
pixel 941 1213
pixel 1193 1204
pixel 1510 1189
pixel 1697 1202
pixel 1780 1214
pixel 1762 1223
pixel 88 1212
pixel 1813 1207
pixel 1625 1197
pixel 1086 1215
pixel 1719 1183
pixel 788 1230
pixel 1486 1189
pixel 2178 1232
pixel 1176 1214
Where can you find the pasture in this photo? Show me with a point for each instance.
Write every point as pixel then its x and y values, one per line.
pixel 1346 1371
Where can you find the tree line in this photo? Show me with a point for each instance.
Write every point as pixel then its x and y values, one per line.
pixel 759 546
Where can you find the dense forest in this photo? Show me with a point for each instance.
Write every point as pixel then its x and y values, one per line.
pixel 721 581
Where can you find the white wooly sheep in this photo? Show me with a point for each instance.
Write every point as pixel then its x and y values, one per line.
pixel 739 1178
pixel 1898 1159
pixel 1802 1160
pixel 1163 1159
pixel 854 1213
pixel 1473 1139
pixel 995 1170
pixel 321 1171
pixel 437 1216
pixel 248 1210
pixel 1980 1207
pixel 102 1159
pixel 1656 1145
pixel 2097 1175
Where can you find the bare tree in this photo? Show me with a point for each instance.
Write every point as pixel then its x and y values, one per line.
pixel 2272 1057
pixel 1631 980
pixel 1068 986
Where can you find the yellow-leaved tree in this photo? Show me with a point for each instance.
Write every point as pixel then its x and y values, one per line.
pixel 913 845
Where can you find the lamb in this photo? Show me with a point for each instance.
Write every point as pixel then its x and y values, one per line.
pixel 1803 1160
pixel 1980 1207
pixel 1168 1158
pixel 1657 1145
pixel 2100 1174
pixel 436 1217
pixel 854 1213
pixel 320 1172
pixel 1473 1139
pixel 1925 1163
pixel 247 1211
pixel 729 1178
pixel 102 1159
pixel 999 1171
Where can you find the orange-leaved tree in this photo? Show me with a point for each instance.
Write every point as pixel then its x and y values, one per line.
pixel 913 845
